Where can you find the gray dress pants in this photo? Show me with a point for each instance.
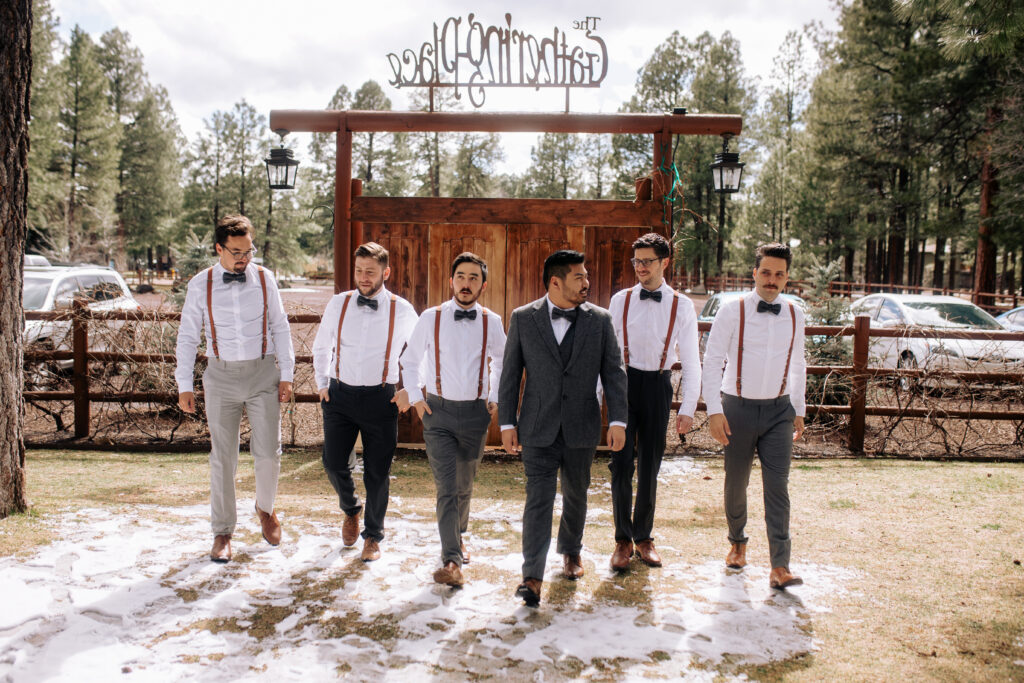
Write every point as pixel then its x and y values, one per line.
pixel 454 433
pixel 764 425
pixel 230 386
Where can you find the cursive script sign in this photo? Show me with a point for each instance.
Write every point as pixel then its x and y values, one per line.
pixel 473 56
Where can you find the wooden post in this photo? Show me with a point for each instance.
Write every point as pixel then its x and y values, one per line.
pixel 80 368
pixel 342 210
pixel 357 226
pixel 858 397
pixel 662 144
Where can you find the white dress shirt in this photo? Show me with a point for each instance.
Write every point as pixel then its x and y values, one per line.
pixel 461 344
pixel 364 339
pixel 765 347
pixel 238 315
pixel 648 325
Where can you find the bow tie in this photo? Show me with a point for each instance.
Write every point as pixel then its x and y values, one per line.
pixel 569 315
pixel 234 277
pixel 462 314
pixel 765 307
pixel 655 295
pixel 366 301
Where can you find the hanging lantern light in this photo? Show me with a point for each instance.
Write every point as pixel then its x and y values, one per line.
pixel 727 169
pixel 282 167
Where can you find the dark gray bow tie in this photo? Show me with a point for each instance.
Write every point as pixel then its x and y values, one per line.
pixel 654 296
pixel 569 315
pixel 462 314
pixel 366 301
pixel 234 277
pixel 765 307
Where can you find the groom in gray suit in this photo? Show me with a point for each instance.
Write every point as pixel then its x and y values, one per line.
pixel 564 344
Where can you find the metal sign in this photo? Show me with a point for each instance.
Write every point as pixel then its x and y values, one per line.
pixel 475 57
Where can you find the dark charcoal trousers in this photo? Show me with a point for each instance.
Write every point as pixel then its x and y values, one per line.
pixel 368 410
pixel 650 401
pixel 767 426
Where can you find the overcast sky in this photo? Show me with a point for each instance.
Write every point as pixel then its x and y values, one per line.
pixel 210 54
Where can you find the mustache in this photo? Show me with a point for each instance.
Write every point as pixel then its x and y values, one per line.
pixel 465 291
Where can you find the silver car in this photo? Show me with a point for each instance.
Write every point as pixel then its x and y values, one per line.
pixel 938 313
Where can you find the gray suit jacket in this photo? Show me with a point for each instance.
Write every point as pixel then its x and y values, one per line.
pixel 555 397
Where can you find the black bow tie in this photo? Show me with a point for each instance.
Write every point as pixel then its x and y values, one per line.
pixel 655 295
pixel 234 277
pixel 569 315
pixel 765 307
pixel 366 301
pixel 463 314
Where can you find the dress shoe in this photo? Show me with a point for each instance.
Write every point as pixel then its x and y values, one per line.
pixel 371 550
pixel 529 591
pixel 221 551
pixel 647 553
pixel 465 553
pixel 620 558
pixel 350 529
pixel 449 574
pixel 737 557
pixel 572 567
pixel 271 527
pixel 781 577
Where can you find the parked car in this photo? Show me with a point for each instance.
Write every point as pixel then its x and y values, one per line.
pixel 714 304
pixel 1012 320
pixel 53 288
pixel 939 313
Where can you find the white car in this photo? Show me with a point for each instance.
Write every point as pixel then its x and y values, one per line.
pixel 53 288
pixel 938 313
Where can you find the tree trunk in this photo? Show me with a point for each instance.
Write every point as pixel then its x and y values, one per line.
pixel 985 255
pixel 939 261
pixel 15 80
pixel 870 274
pixel 953 265
pixel 848 263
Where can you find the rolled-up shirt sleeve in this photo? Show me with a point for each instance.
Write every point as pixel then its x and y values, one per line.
pixel 689 359
pixel 280 330
pixel 188 339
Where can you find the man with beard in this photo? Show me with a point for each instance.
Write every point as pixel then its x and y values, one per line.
pixel 564 345
pixel 651 321
pixel 249 366
pixel 449 353
pixel 355 363
pixel 757 402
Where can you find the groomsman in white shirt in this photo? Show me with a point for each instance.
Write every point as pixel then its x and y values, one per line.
pixel 754 386
pixel 355 364
pixel 249 365
pixel 655 326
pixel 455 356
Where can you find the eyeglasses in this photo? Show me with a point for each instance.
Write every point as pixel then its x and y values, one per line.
pixel 241 254
pixel 645 262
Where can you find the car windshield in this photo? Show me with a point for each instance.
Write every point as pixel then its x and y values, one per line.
pixel 943 314
pixel 34 295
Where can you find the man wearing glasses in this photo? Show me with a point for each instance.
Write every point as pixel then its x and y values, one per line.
pixel 249 365
pixel 655 326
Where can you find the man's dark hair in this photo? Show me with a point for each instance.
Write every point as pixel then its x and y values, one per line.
pixel 775 250
pixel 559 264
pixel 234 225
pixel 374 251
pixel 653 240
pixel 470 257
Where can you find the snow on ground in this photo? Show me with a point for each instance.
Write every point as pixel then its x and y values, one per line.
pixel 133 597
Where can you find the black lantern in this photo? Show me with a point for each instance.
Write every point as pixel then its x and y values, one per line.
pixel 726 169
pixel 281 166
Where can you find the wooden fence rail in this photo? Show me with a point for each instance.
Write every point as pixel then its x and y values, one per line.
pixel 859 371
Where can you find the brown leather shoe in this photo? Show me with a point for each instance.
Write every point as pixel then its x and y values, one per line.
pixel 271 527
pixel 647 553
pixel 371 550
pixel 621 556
pixel 350 529
pixel 465 553
pixel 737 557
pixel 221 551
pixel 781 577
pixel 449 575
pixel 529 591
pixel 572 567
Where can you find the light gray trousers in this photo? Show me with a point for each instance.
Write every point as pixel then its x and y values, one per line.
pixel 765 426
pixel 229 387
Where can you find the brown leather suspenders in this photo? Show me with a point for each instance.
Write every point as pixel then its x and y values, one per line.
pixel 209 310
pixel 739 352
pixel 437 352
pixel 387 350
pixel 668 335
